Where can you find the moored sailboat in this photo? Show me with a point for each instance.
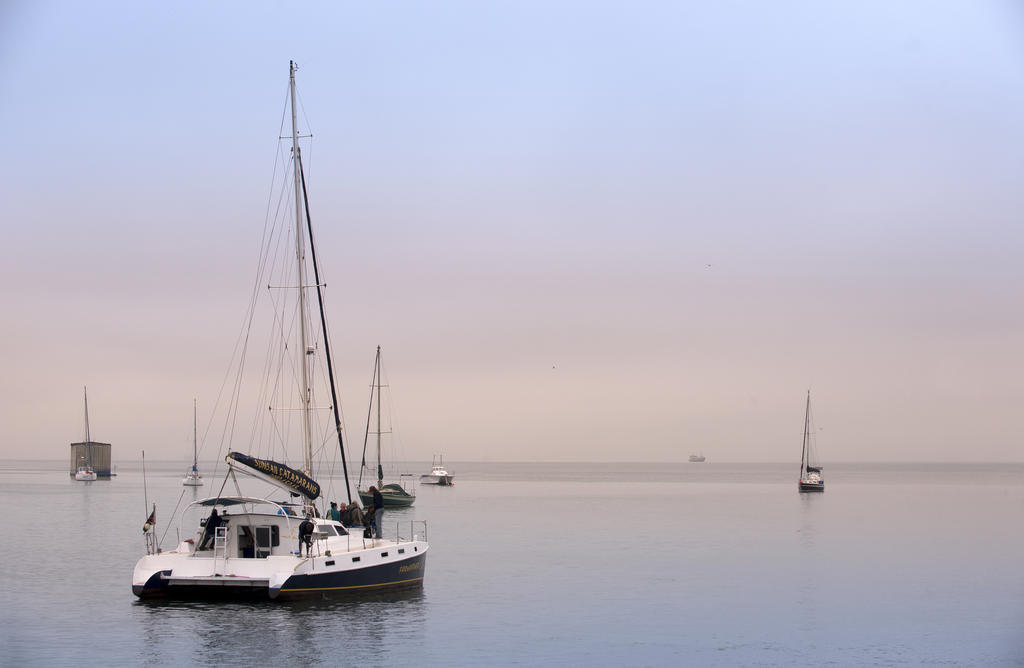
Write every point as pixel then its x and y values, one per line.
pixel 192 477
pixel 278 546
pixel 811 477
pixel 85 471
pixel 395 495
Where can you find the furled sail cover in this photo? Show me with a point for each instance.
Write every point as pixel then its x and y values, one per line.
pixel 814 469
pixel 276 473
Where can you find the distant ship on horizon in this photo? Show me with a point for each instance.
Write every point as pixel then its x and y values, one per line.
pixel 697 458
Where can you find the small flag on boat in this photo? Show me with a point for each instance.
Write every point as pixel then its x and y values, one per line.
pixel 150 521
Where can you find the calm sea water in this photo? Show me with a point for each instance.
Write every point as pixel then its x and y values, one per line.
pixel 573 564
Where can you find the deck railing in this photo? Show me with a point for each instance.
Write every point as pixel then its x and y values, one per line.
pixel 412 530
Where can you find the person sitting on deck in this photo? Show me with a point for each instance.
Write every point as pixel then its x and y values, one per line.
pixel 352 516
pixel 212 522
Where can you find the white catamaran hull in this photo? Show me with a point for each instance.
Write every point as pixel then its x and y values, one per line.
pixel 346 567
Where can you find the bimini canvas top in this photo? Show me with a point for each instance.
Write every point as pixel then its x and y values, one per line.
pixel 276 473
pixel 231 501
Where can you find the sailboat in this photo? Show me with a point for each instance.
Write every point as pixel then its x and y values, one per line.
pixel 86 472
pixel 394 494
pixel 192 478
pixel 278 545
pixel 811 478
pixel 697 458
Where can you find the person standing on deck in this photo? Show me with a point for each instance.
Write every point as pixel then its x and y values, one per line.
pixel 378 511
pixel 212 522
pixel 334 513
pixel 306 536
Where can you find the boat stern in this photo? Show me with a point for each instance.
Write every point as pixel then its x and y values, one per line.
pixel 149 580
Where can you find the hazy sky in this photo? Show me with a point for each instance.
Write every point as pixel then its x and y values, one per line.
pixel 579 230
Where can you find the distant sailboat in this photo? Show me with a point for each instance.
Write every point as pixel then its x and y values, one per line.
pixel 811 478
pixel 86 472
pixel 192 478
pixel 394 494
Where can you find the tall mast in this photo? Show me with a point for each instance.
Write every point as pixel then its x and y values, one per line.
pixel 380 471
pixel 88 438
pixel 807 417
pixel 85 391
pixel 195 439
pixel 301 263
pixel 327 341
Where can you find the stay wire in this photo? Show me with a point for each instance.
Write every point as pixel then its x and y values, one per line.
pixel 168 527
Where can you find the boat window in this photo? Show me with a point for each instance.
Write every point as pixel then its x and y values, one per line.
pixel 327 529
pixel 244 542
pixel 268 536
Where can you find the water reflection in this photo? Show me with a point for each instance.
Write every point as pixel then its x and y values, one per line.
pixel 808 588
pixel 367 629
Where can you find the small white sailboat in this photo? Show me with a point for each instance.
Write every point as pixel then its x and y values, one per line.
pixel 86 472
pixel 438 475
pixel 192 478
pixel 811 478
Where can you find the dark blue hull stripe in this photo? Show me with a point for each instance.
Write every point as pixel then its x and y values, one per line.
pixel 399 573
pixel 404 572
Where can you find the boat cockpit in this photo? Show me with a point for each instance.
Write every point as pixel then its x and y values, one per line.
pixel 252 528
